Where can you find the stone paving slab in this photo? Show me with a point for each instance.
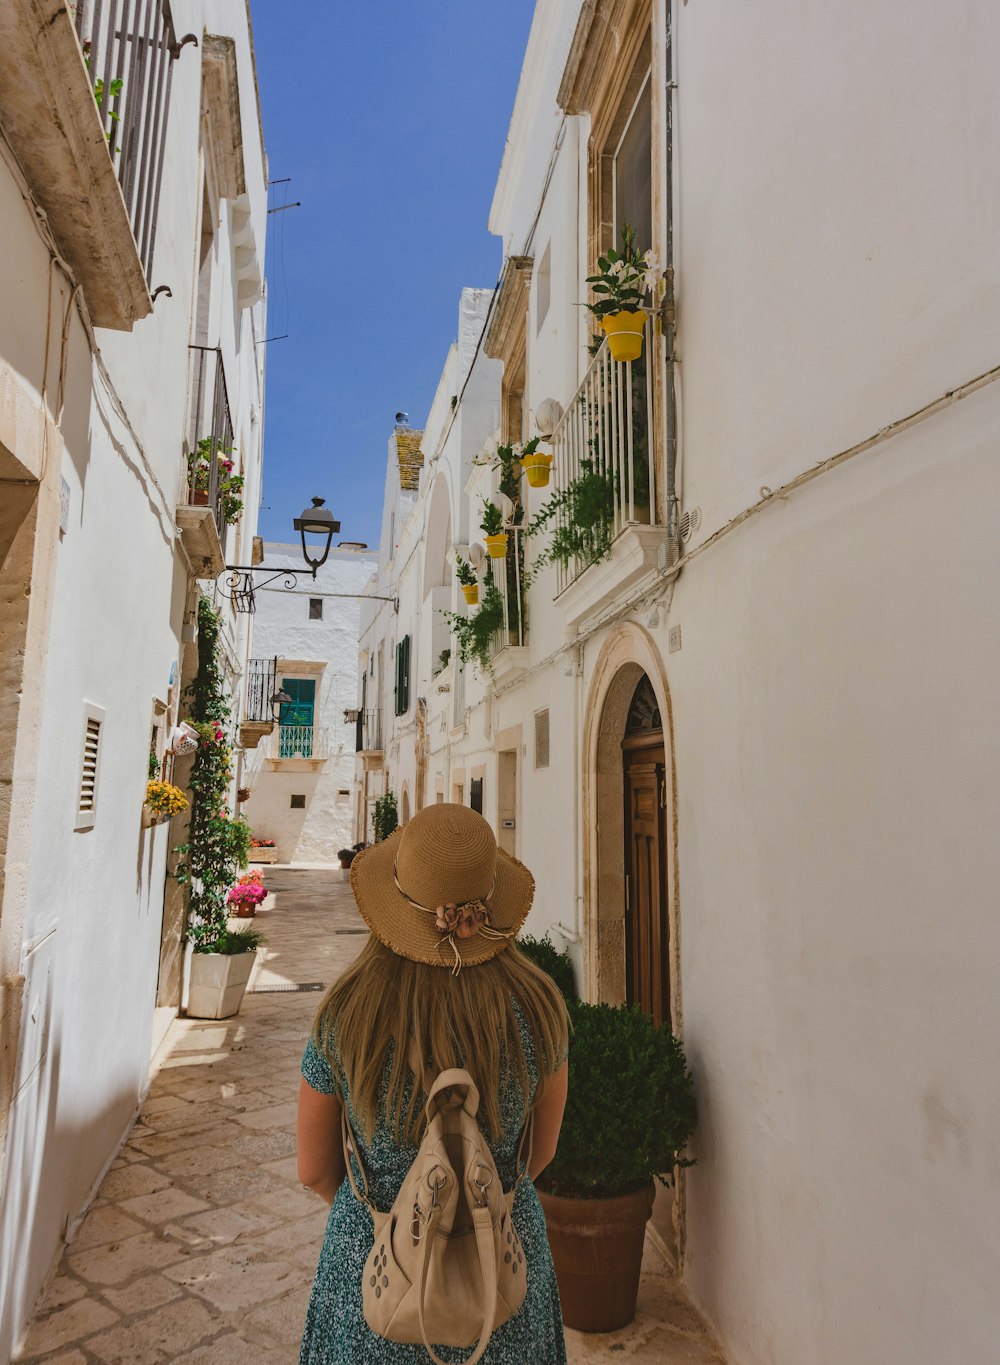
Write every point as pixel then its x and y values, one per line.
pixel 201 1246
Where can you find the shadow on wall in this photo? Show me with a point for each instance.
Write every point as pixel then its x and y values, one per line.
pixel 33 1217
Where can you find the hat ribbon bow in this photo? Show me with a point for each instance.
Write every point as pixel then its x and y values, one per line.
pixel 458 919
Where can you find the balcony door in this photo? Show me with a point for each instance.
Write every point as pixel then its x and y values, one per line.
pixel 297 718
pixel 646 924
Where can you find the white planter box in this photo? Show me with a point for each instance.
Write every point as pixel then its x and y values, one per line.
pixel 218 981
pixel 263 855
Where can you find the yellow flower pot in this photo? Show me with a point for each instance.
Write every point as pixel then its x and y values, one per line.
pixel 497 545
pixel 624 333
pixel 470 591
pixel 537 467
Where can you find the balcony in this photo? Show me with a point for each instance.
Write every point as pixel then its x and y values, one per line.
pixel 604 447
pixel 201 518
pixel 297 747
pixel 84 102
pixel 258 713
pixel 368 741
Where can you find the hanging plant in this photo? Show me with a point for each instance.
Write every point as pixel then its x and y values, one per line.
pixel 218 846
pixel 474 634
pixel 491 525
pixel 583 512
pixel 386 816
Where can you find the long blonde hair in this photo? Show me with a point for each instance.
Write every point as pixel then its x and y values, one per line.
pixel 466 1020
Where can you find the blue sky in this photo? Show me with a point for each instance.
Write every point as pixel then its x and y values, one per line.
pixel 390 119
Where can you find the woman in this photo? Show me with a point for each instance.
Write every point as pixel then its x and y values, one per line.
pixel 441 982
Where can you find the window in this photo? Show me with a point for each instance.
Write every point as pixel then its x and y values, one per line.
pixel 90 766
pixel 298 802
pixel 633 174
pixel 295 737
pixel 403 676
pixel 542 738
pixel 315 609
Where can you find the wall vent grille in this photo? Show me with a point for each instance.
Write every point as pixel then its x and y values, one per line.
pixel 542 738
pixel 93 726
pixel 689 523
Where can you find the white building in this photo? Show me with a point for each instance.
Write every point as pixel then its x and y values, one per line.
pixel 305 642
pixel 132 216
pixel 749 756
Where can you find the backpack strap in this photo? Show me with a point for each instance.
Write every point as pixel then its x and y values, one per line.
pixel 524 1149
pixel 483 1220
pixel 458 1079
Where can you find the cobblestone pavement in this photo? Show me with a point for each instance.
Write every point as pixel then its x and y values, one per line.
pixel 202 1244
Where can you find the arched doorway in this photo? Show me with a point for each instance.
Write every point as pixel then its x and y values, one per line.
pixel 644 786
pixel 404 805
pixel 630 903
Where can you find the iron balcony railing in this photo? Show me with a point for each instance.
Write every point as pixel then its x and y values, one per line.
pixel 369 730
pixel 506 576
pixel 262 682
pixel 603 447
pixel 129 47
pixel 210 433
pixel 300 741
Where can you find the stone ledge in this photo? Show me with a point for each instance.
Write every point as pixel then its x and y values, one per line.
pixel 200 537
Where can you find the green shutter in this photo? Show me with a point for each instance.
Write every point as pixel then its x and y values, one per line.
pixel 403 676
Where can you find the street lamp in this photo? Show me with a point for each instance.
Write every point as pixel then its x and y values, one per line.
pixel 317 520
pixel 278 700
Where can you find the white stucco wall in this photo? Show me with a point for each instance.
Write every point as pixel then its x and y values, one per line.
pixel 833 723
pixel 91 900
pixel 282 627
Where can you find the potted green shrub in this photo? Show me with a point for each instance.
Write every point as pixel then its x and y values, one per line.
pixel 386 816
pixel 624 280
pixel 491 525
pixel 559 965
pixel 629 1115
pixel 217 986
pixel 474 634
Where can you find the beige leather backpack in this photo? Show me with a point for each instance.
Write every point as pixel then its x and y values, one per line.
pixel 447 1265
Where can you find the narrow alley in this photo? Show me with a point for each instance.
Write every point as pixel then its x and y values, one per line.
pixel 201 1245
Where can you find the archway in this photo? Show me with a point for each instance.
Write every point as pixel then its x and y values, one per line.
pixel 631 951
pixel 404 805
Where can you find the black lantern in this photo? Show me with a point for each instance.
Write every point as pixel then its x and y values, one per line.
pixel 278 700
pixel 317 520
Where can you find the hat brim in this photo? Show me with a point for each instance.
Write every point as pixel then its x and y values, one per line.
pixel 411 932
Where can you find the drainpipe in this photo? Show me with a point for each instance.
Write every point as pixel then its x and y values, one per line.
pixel 667 308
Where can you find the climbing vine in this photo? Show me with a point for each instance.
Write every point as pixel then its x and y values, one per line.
pixel 218 846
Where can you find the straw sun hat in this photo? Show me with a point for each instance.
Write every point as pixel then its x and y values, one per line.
pixel 439 890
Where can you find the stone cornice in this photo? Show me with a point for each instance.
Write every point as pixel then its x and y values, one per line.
pixel 509 315
pixel 605 32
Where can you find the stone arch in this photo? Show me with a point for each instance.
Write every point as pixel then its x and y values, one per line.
pixel 627 654
pixel 437 536
pixel 404 805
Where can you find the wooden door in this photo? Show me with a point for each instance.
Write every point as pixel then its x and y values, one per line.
pixel 646 924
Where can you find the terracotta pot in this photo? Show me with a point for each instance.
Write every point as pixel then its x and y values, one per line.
pixel 624 333
pixel 597 1249
pixel 244 909
pixel 200 497
pixel 345 860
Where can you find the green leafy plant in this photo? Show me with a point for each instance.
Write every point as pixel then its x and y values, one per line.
pixel 444 659
pixel 474 634
pixel 153 768
pixel 230 485
pixel 386 816
pixel 218 846
pixel 465 573
pixel 624 279
pixel 491 523
pixel 583 511
pixel 234 941
pixel 631 1106
pixel 559 965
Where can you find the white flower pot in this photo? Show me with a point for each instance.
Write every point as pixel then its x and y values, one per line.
pixel 217 983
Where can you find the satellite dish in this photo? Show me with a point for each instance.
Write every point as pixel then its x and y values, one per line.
pixel 548 415
pixel 477 553
pixel 505 505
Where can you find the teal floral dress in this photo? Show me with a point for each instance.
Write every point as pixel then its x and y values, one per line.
pixel 336 1332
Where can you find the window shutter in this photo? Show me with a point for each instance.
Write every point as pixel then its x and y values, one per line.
pixel 90 768
pixel 403 676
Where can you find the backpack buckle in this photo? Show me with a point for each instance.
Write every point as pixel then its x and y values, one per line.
pixel 482 1186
